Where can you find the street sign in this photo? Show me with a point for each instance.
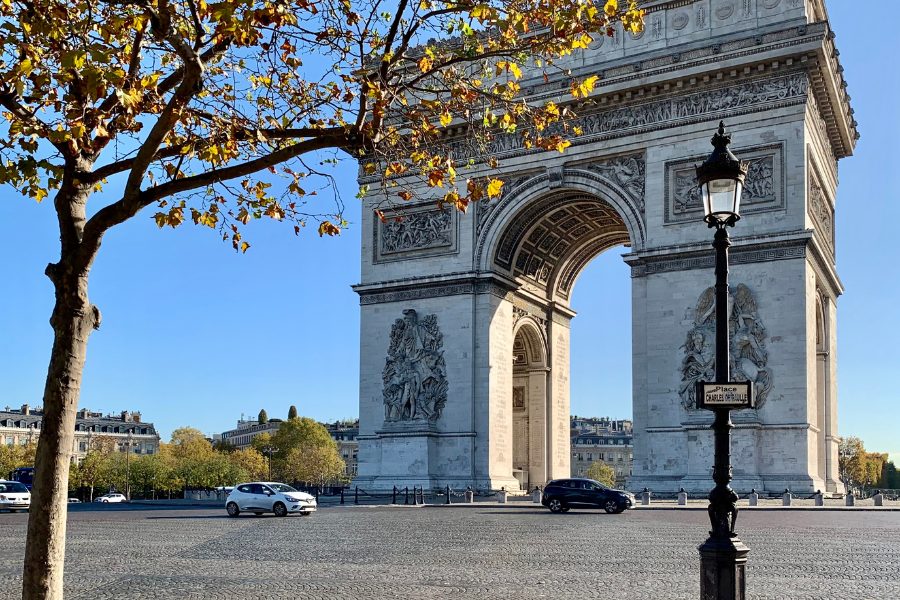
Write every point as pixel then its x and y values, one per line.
pixel 732 395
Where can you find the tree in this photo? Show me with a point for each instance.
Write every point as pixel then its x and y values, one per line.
pixel 15 456
pixel 301 432
pixel 292 412
pixel 249 464
pixel 94 468
pixel 313 465
pixel 602 472
pixel 852 461
pixel 196 109
pixel 263 418
pixel 875 462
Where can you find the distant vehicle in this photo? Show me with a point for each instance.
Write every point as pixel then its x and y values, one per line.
pixel 14 496
pixel 24 475
pixel 74 501
pixel 562 494
pixel 267 496
pixel 111 498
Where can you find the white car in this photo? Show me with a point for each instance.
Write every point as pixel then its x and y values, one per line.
pixel 111 498
pixel 14 496
pixel 266 496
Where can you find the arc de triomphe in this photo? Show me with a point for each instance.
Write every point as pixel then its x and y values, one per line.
pixel 465 324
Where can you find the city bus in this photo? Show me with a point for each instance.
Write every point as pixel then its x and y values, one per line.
pixel 24 475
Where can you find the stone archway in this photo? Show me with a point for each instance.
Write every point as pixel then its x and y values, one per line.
pixel 444 295
pixel 529 405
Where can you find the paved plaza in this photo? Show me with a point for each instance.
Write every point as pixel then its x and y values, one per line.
pixel 478 552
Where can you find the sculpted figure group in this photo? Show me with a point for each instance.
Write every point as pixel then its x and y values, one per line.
pixel 748 353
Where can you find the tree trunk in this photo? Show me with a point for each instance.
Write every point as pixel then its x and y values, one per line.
pixel 73 320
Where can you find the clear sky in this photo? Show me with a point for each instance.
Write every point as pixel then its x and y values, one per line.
pixel 194 334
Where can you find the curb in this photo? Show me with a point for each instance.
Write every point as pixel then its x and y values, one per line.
pixel 497 505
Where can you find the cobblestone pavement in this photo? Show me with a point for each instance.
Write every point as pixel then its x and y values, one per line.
pixel 437 552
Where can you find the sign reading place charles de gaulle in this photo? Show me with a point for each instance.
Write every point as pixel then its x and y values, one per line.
pixel 733 395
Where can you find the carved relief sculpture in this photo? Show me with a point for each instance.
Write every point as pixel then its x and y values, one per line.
pixel 518 398
pixel 416 231
pixel 626 171
pixel 748 353
pixel 762 187
pixel 415 376
pixel 820 209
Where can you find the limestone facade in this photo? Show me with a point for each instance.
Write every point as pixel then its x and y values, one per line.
pixel 127 430
pixel 494 283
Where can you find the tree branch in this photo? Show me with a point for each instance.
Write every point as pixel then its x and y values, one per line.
pixel 9 102
pixel 246 134
pixel 123 209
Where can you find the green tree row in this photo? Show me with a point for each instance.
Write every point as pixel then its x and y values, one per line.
pixel 187 461
pixel 862 469
pixel 302 451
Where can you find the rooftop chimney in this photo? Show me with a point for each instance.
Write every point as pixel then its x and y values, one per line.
pixel 26 410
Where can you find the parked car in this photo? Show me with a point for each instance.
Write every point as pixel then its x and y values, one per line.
pixel 266 496
pixel 111 497
pixel 74 501
pixel 562 494
pixel 14 496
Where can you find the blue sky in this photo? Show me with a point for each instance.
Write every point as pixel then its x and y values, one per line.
pixel 194 334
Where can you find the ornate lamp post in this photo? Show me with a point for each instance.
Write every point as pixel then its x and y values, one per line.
pixel 723 557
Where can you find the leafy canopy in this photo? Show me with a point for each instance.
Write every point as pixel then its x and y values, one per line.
pixel 218 112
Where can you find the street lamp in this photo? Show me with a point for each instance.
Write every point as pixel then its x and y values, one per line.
pixel 723 557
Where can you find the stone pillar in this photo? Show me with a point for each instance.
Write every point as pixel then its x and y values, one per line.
pixel 849 500
pixel 502 496
pixel 878 498
pixel 645 497
pixel 470 496
pixel 786 498
pixel 537 496
pixel 753 498
pixel 537 427
pixel 820 500
pixel 682 498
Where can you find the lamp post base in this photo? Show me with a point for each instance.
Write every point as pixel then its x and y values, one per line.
pixel 723 569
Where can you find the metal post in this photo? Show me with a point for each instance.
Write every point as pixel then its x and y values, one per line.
pixel 356 495
pixel 394 495
pixel 406 491
pixel 342 495
pixel 448 495
pixel 723 557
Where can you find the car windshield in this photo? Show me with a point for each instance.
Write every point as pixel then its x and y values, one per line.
pixel 13 487
pixel 280 487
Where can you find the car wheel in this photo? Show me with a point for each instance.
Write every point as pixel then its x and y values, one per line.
pixel 232 509
pixel 612 507
pixel 556 505
pixel 279 509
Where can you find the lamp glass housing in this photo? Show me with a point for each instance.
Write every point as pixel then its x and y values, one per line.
pixel 722 198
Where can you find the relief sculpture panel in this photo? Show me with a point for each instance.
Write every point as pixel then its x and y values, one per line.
pixel 763 188
pixel 747 339
pixel 415 231
pixel 821 212
pixel 415 375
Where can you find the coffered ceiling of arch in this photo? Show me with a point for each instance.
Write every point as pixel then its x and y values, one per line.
pixel 540 246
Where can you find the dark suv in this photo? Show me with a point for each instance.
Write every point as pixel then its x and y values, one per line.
pixel 562 494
